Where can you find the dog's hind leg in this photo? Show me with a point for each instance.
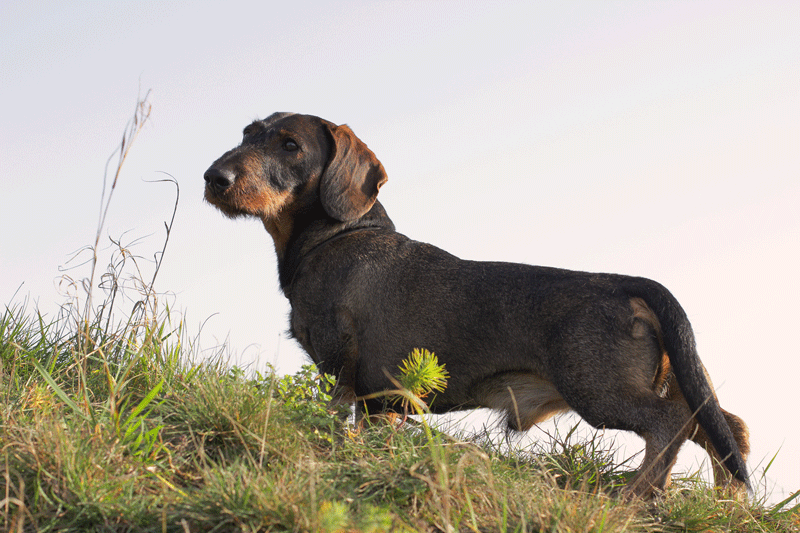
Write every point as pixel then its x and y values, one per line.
pixel 667 428
pixel 663 424
pixel 722 478
pixel 612 383
pixel 616 403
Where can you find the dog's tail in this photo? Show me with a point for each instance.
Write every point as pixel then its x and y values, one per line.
pixel 681 349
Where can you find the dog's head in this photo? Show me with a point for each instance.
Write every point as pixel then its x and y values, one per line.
pixel 288 161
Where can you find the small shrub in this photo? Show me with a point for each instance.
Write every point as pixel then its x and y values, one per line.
pixel 306 396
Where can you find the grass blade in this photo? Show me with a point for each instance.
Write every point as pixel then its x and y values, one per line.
pixel 142 405
pixel 60 392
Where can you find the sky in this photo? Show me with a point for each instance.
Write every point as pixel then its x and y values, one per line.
pixel 657 139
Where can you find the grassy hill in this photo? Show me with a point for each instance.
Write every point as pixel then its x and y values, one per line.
pixel 116 429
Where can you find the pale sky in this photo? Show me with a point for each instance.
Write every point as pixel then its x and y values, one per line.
pixel 659 139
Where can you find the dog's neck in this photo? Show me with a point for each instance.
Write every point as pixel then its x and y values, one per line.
pixel 315 229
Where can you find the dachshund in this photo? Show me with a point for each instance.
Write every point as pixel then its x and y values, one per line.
pixel 526 340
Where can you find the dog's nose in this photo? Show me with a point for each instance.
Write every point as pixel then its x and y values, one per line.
pixel 219 179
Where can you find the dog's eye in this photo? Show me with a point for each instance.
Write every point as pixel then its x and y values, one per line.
pixel 290 146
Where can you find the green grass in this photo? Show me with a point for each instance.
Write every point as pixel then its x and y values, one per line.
pixel 119 426
pixel 117 430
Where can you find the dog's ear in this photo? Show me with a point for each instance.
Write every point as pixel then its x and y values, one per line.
pixel 349 185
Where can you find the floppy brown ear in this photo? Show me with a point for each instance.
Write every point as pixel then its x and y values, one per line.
pixel 349 186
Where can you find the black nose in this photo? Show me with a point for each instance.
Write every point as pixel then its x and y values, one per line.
pixel 219 179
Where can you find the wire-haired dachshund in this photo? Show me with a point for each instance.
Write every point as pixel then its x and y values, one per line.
pixel 529 341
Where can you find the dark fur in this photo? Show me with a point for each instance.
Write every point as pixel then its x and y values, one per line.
pixel 530 341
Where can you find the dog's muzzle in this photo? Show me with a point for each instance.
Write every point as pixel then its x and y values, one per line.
pixel 218 180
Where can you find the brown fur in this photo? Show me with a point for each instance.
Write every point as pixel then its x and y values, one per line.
pixel 526 399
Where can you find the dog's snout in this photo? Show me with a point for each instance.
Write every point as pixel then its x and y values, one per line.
pixel 219 179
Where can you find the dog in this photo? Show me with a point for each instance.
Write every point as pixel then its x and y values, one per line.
pixel 529 341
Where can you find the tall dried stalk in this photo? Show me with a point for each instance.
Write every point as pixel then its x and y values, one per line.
pixel 134 126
